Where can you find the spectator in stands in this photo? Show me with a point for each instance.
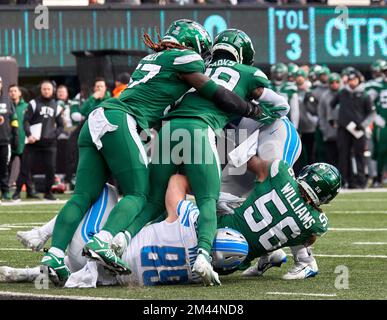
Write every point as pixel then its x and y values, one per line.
pixel 355 114
pixel 20 106
pixel 43 124
pixel 8 138
pixel 121 83
pixel 328 119
pixel 100 94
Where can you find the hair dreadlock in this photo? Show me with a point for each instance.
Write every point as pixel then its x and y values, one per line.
pixel 308 199
pixel 161 45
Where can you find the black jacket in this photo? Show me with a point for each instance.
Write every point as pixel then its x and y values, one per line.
pixel 8 122
pixel 49 114
pixel 354 105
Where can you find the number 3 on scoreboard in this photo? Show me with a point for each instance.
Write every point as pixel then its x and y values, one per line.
pixel 295 42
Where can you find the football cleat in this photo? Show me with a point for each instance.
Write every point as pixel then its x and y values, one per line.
pixel 32 239
pixel 120 243
pixel 101 252
pixel 302 270
pixel 203 268
pixel 55 268
pixel 274 259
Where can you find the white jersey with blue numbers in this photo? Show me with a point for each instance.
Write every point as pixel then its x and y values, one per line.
pixel 164 253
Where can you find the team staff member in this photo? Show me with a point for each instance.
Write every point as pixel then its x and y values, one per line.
pixel 42 110
pixel 355 106
pixel 8 137
pixel 20 106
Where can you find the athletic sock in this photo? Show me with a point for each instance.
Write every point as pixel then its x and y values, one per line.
pixel 47 229
pixel 57 252
pixel 32 273
pixel 105 236
pixel 302 254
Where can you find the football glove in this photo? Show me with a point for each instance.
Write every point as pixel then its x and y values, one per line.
pixel 269 112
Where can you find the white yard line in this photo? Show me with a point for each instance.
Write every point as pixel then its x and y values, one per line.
pixel 371 256
pixel 28 211
pixel 15 249
pixel 375 200
pixel 5 229
pixel 30 203
pixel 51 296
pixel 358 229
pixel 370 190
pixel 324 295
pixel 369 243
pixel 358 212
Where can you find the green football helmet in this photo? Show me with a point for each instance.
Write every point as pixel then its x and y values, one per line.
pixel 237 43
pixel 292 69
pixel 347 70
pixel 379 65
pixel 323 70
pixel 279 71
pixel 321 181
pixel 313 72
pixel 301 73
pixel 334 77
pixel 189 34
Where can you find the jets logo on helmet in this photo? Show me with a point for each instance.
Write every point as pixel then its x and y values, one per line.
pixel 321 181
pixel 190 34
pixel 229 249
pixel 237 43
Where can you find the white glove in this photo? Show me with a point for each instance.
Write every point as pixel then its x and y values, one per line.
pixel 227 203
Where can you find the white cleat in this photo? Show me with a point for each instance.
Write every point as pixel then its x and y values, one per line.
pixel 32 239
pixel 302 270
pixel 203 268
pixel 8 274
pixel 274 259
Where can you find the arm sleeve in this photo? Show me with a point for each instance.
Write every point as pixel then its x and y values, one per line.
pixel 294 110
pixel 227 100
pixel 274 98
pixel 27 118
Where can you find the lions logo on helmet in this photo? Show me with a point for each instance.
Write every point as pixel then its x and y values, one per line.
pixel 229 249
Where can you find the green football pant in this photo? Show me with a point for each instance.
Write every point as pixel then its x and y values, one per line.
pixel 119 156
pixel 187 146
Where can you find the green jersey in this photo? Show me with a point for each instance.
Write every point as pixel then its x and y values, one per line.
pixel 236 77
pixel 380 133
pixel 155 85
pixel 373 87
pixel 21 108
pixel 92 103
pixel 275 215
pixel 286 89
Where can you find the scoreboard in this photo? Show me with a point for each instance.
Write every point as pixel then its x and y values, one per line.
pixel 45 38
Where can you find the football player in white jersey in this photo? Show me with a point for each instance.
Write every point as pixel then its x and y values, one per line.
pixel 161 253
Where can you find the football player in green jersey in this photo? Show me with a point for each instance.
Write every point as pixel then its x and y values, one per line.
pixel 292 69
pixel 287 88
pixel 109 142
pixel 380 128
pixel 186 142
pixel 284 211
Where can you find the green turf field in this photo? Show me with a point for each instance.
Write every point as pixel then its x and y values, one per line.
pixel 357 240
